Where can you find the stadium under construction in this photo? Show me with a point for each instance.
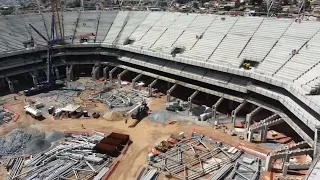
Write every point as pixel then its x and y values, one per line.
pixel 258 79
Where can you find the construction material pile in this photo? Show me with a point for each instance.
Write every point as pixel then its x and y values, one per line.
pixel 117 98
pixel 18 140
pixel 5 116
pixel 114 116
pixel 73 158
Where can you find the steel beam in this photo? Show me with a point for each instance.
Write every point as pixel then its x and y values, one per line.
pixel 134 80
pixel 190 98
pixel 214 109
pixel 112 71
pixel 235 111
pixel 10 85
pixel 170 91
pixel 105 74
pixel 121 74
pixel 249 116
pixel 151 85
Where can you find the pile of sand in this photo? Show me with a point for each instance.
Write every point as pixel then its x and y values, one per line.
pixel 114 116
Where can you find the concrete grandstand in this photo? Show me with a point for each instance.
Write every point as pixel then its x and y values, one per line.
pixel 201 52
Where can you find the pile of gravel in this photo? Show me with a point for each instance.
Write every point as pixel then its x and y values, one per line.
pixel 55 136
pixel 14 143
pixel 17 140
pixel 5 116
pixel 37 145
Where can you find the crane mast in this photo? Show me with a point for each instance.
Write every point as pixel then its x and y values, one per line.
pixel 55 8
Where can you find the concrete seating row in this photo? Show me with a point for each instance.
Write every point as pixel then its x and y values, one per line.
pixel 211 38
pixel 264 39
pixel 175 30
pixel 105 22
pixel 302 62
pixel 280 54
pixel 87 23
pixel 146 25
pixel 310 79
pixel 135 19
pixel 116 27
pixel 157 30
pixel 195 28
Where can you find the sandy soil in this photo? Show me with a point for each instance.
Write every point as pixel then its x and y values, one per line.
pixel 144 135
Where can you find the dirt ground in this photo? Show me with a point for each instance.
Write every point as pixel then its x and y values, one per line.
pixel 144 135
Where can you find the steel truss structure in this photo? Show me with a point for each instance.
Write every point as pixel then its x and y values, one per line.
pixel 192 159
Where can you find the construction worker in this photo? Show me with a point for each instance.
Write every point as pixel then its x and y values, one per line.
pixel 83 126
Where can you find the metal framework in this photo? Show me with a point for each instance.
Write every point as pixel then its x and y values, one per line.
pixel 192 159
pixel 55 8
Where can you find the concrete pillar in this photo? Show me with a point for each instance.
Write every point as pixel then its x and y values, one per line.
pixel 134 80
pixel 112 71
pixel 69 72
pixel 235 111
pixel 2 83
pixel 286 159
pixel 34 79
pixel 10 85
pixel 214 109
pixel 105 74
pixel 150 87
pixel 315 141
pixel 249 136
pixel 249 116
pixel 121 74
pixel 268 162
pixel 264 134
pixel 190 98
pixel 56 70
pixel 170 91
pixel 285 169
pixel 95 73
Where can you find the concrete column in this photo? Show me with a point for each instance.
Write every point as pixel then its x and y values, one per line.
pixel 112 71
pixel 56 70
pixel 170 91
pixel 121 74
pixel 190 98
pixel 264 134
pixel 249 136
pixel 268 162
pixel 214 109
pixel 285 169
pixel 234 112
pixel 134 80
pixel 150 87
pixel 315 141
pixel 34 79
pixel 69 72
pixel 105 74
pixel 286 159
pixel 10 85
pixel 95 73
pixel 249 116
pixel 2 83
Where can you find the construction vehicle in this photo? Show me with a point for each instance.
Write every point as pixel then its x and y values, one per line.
pixel 34 112
pixel 174 106
pixel 141 111
pixel 42 88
